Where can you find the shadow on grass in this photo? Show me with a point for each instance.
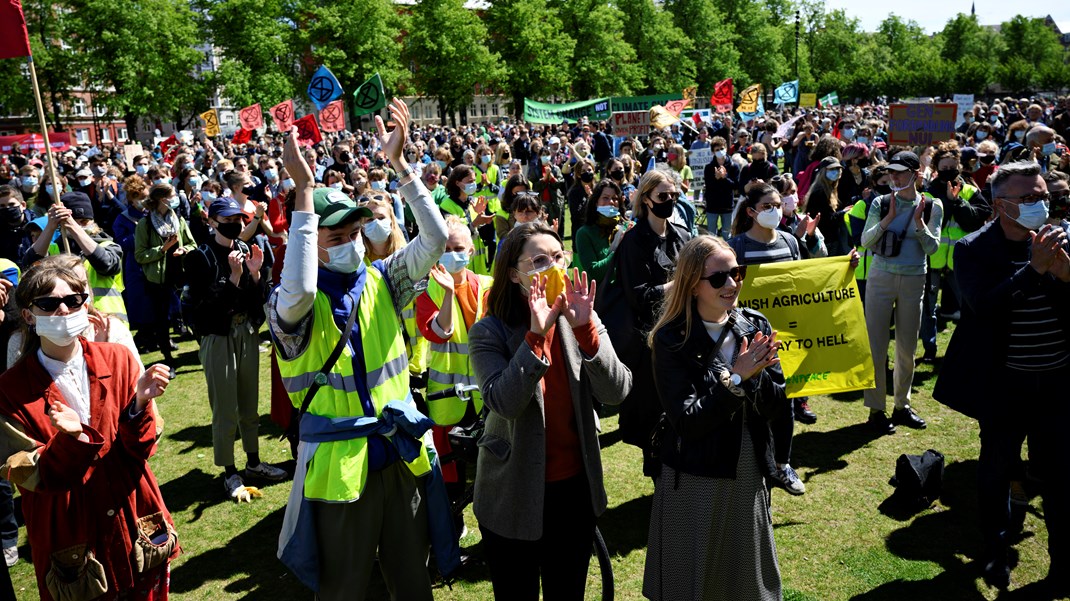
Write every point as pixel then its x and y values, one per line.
pixel 201 490
pixel 626 526
pixel 827 451
pixel 200 437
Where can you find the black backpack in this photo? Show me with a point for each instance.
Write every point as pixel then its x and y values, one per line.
pixel 918 479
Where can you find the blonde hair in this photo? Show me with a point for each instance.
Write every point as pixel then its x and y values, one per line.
pixel 396 241
pixel 456 225
pixel 690 265
pixel 650 180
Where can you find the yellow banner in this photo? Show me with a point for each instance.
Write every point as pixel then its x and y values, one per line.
pixel 748 99
pixel 806 100
pixel 815 307
pixel 211 123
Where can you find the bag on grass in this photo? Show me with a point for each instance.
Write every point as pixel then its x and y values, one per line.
pixel 919 479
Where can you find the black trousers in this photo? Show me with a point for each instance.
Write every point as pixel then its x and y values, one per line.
pixel 560 557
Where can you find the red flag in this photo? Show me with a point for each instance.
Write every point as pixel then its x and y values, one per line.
pixel 242 136
pixel 251 118
pixel 166 145
pixel 283 115
pixel 308 132
pixel 14 39
pixel 722 96
pixel 333 116
pixel 677 106
pixel 697 118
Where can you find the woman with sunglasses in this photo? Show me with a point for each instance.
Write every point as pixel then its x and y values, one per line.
pixel 644 260
pixel 77 438
pixel 720 382
pixel 541 357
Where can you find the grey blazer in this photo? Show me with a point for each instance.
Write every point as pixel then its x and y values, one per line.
pixel 510 474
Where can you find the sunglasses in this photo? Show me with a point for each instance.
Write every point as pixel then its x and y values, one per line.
pixel 666 196
pixel 51 303
pixel 718 279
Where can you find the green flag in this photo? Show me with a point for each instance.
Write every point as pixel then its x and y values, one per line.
pixel 831 100
pixel 370 96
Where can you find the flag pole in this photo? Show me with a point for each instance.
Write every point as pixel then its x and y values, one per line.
pixel 48 147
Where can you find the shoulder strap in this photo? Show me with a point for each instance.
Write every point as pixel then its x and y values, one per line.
pixel 324 371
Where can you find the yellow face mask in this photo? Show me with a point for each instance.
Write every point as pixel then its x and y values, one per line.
pixel 555 282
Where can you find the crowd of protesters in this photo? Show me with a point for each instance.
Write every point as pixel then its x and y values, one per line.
pixel 555 270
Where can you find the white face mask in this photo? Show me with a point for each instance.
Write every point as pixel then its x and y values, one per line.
pixel 62 330
pixel 900 189
pixel 378 230
pixel 788 203
pixel 346 257
pixel 337 185
pixel 769 218
pixel 1032 216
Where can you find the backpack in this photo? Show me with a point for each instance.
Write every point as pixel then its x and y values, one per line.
pixel 891 241
pixel 187 305
pixel 918 479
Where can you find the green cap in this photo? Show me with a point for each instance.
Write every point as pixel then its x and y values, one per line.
pixel 334 207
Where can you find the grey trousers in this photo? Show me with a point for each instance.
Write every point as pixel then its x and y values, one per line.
pixel 389 517
pixel 232 369
pixel 902 294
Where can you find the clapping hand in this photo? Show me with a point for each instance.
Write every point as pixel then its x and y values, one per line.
pixel 255 259
pixel 1045 248
pixel 807 225
pixel 579 299
pixel 544 312
pixel 442 277
pixel 919 213
pixel 756 355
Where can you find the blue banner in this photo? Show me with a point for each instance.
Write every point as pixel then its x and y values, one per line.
pixel 324 88
pixel 787 92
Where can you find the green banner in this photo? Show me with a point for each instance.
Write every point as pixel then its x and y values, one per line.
pixel 543 112
pixel 370 96
pixel 623 104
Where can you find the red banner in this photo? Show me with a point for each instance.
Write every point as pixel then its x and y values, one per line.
pixel 721 100
pixel 250 117
pixel 242 136
pixel 333 116
pixel 283 115
pixel 677 106
pixel 14 40
pixel 59 141
pixel 167 145
pixel 308 132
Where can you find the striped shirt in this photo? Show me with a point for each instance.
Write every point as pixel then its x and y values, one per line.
pixel 753 252
pixel 1037 341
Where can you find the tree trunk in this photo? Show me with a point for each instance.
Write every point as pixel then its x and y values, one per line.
pixel 518 105
pixel 131 127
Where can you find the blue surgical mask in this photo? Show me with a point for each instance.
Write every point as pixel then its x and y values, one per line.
pixel 454 262
pixel 471 188
pixel 48 190
pixel 207 197
pixel 195 182
pixel 720 154
pixel 378 185
pixel 862 140
pixel 271 174
pixel 833 174
pixel 29 181
pixel 1048 149
pixel 544 159
pixel 608 211
pixel 174 202
pixel 1018 135
pixel 159 181
pixel 441 164
pixel 378 230
pixel 848 133
pixel 982 134
pixel 1032 216
pixel 337 185
pixel 141 169
pixel 347 257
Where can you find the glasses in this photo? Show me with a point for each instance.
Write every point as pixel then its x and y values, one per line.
pixel 718 279
pixel 1031 199
pixel 783 177
pixel 542 262
pixel 51 303
pixel 666 196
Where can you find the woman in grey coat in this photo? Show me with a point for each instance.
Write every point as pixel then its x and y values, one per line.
pixel 541 357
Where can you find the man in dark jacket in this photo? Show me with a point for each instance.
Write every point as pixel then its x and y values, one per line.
pixel 14 239
pixel 721 176
pixel 1007 361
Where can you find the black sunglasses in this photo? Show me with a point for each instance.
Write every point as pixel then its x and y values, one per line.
pixel 718 279
pixel 666 196
pixel 51 303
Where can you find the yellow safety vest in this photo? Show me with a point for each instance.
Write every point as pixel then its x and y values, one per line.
pixel 339 469
pixel 865 257
pixel 950 234
pixel 417 347
pixel 450 363
pixel 479 257
pixel 107 290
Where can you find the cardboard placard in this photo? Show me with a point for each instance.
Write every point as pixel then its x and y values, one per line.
pixel 965 104
pixel 631 123
pixel 808 100
pixel 921 124
pixel 132 150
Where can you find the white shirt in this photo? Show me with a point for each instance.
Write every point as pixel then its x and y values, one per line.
pixel 728 347
pixel 72 379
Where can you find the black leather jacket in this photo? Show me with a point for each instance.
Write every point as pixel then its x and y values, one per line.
pixel 706 418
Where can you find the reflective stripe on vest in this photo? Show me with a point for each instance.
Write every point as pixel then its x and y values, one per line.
pixel 949 235
pixel 450 364
pixel 417 346
pixel 338 470
pixel 107 290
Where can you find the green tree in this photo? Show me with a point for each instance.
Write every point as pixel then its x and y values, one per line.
pixel 1029 50
pixel 536 53
pixel 971 53
pixel 702 23
pixel 664 51
pixel 757 42
pixel 447 45
pixel 604 63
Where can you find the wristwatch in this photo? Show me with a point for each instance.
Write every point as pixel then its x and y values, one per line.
pixel 735 379
pixel 407 172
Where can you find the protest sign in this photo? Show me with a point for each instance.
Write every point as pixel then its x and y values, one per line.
pixel 921 124
pixel 721 101
pixel 631 123
pixel 677 106
pixel 965 104
pixel 324 87
pixel 808 100
pixel 370 97
pixel 283 115
pixel 747 117
pixel 749 99
pixel 543 112
pixel 698 159
pixel 308 132
pixel 131 151
pixel 785 129
pixel 59 141
pixel 786 92
pixel 333 117
pixel 627 104
pixel 251 117
pixel 211 122
pixel 815 307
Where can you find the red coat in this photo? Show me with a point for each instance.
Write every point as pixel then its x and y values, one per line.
pixel 85 492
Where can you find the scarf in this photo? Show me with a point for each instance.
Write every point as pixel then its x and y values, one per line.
pixel 166 225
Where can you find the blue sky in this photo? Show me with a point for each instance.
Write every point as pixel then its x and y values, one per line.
pixel 932 16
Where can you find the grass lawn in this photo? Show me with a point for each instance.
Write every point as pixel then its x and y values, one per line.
pixel 839 541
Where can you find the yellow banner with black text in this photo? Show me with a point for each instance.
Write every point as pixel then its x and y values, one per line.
pixel 817 311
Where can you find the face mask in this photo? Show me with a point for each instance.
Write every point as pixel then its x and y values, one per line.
pixel 62 330
pixel 378 230
pixel 271 174
pixel 720 154
pixel 910 183
pixel 1019 135
pixel 616 175
pixel 988 159
pixel 1048 149
pixel 157 182
pixel 544 159
pixel 441 164
pixel 948 175
pixel 98 171
pixel 141 169
pixel 968 118
pixel 587 177
pixel 174 202
pixel 555 281
pixel 993 119
pixel 470 189
pixel 788 203
pixel 207 197
pixel 770 218
pixel 454 262
pixel 882 188
pixel 345 157
pixel 287 184
pixel 848 133
pixel 337 185
pixel 346 257
pixel 48 190
pixel 862 140
pixel 230 231
pixel 378 185
pixel 662 210
pixel 11 215
pixel 609 211
pixel 195 182
pixel 485 159
pixel 982 134
pixel 1031 217
pixel 833 174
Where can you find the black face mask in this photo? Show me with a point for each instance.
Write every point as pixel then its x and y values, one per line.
pixel 11 216
pixel 948 175
pixel 616 175
pixel 345 157
pixel 230 231
pixel 587 177
pixel 662 210
pixel 882 189
pixel 988 159
pixel 862 163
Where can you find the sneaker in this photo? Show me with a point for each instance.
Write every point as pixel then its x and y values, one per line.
pixel 909 418
pixel 233 485
pixel 266 471
pixel 928 357
pixel 803 413
pixel 997 573
pixel 787 479
pixel 11 556
pixel 880 424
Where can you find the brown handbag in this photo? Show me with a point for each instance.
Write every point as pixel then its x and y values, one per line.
pixel 75 575
pixel 156 541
